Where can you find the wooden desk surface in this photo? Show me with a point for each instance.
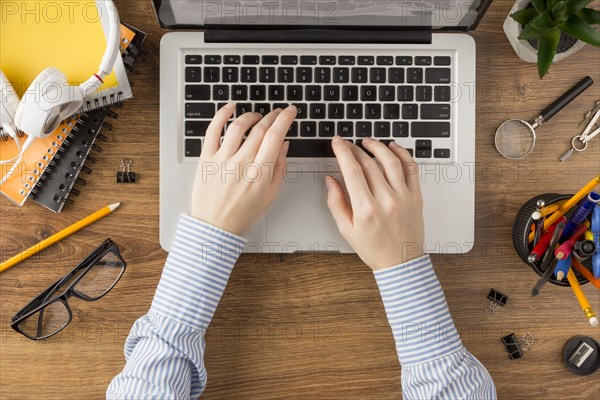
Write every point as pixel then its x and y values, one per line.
pixel 304 326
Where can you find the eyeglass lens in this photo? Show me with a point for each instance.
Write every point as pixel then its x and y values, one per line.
pixel 101 277
pixel 46 321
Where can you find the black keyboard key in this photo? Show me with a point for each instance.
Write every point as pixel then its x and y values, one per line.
pixel 212 59
pixel 387 93
pixel 308 60
pixel 193 74
pixel 377 75
pixel 283 106
pixel 405 93
pixel 251 60
pixel 317 111
pixel 239 92
pixel 276 92
pixel 323 75
pixel 435 111
pixel 345 129
pixel 326 129
pixel 410 111
pixel 430 129
pixel 293 130
pixel 373 111
pixel 327 60
pixel 350 93
pixel 231 74
pixel 249 74
pixel 193 59
pixel 312 93
pixel 423 148
pixel 366 60
pixel 414 75
pixel 197 92
pixel 232 60
pixel 310 148
pixel 341 75
pixel 258 92
pixel 422 60
pixel 336 111
pixel 404 60
pixel 360 75
pixel 441 153
pixel 400 129
pixel 354 111
pixel 385 60
pixel 396 75
pixel 391 111
pixel 331 93
pixel 266 74
pixel 364 129
pixel 302 110
pixel 285 74
pixel 289 60
pixel 212 74
pixel 346 60
pixel 262 108
pixel 197 128
pixel 220 105
pixel 368 93
pixel 441 93
pixel 381 129
pixel 308 129
pixel 220 92
pixel 424 93
pixel 270 60
pixel 294 92
pixel 193 147
pixel 437 75
pixel 442 60
pixel 304 75
pixel 410 151
pixel 242 108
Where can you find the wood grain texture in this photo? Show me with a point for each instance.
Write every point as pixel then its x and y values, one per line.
pixel 304 326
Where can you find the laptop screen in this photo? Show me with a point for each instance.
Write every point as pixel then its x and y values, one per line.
pixel 403 14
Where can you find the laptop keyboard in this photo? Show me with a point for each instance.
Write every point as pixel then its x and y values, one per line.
pixel 405 98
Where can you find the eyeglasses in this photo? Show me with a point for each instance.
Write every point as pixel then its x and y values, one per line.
pixel 90 280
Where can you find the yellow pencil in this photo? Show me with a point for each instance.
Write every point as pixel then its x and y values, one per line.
pixel 583 301
pixel 546 211
pixel 57 237
pixel 569 203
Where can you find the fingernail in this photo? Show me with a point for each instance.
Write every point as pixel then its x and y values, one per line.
pixel 367 139
pixel 328 182
pixel 394 144
pixel 277 110
pixel 230 104
pixel 337 139
pixel 291 107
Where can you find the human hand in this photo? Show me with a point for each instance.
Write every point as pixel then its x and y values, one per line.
pixel 236 182
pixel 385 211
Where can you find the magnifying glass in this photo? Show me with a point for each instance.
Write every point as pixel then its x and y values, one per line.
pixel 515 138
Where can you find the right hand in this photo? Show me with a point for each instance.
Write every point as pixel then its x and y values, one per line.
pixel 384 216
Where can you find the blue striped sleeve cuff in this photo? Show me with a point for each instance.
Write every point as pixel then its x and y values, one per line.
pixel 417 312
pixel 196 272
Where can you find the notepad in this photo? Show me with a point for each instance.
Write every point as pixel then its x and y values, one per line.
pixel 67 35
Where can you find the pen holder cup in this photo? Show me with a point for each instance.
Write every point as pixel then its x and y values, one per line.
pixel 522 228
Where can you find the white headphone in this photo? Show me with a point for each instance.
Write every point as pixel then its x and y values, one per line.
pixel 49 100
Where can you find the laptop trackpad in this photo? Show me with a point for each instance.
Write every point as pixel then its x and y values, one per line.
pixel 299 219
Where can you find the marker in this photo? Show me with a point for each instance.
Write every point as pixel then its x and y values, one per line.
pixel 581 214
pixel 542 245
pixel 583 301
pixel 567 247
pixel 547 260
pixel 562 267
pixel 596 231
pixel 584 249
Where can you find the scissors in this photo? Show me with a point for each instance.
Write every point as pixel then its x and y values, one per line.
pixel 580 142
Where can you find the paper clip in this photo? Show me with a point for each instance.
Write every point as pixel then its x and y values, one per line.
pixel 516 348
pixel 497 299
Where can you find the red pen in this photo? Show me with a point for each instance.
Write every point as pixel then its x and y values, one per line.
pixel 542 245
pixel 566 247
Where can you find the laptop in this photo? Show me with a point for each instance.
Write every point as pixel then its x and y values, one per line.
pixel 387 69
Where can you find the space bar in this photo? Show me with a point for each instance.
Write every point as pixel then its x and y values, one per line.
pixel 310 148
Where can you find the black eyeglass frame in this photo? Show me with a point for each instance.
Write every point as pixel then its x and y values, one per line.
pixel 41 301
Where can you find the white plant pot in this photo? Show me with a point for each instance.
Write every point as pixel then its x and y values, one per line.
pixel 525 51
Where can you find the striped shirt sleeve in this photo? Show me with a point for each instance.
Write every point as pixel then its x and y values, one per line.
pixel 165 348
pixel 435 364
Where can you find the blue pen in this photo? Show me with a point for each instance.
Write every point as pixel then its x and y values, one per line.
pixel 562 268
pixel 596 231
pixel 582 212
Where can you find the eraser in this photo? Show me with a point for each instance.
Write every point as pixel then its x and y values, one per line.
pixel 594 321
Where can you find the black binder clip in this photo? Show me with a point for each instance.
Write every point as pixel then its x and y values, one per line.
pixel 516 348
pixel 496 299
pixel 126 175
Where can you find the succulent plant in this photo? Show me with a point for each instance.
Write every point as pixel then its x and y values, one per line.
pixel 547 18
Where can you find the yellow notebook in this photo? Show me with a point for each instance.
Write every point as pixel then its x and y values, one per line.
pixel 68 35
